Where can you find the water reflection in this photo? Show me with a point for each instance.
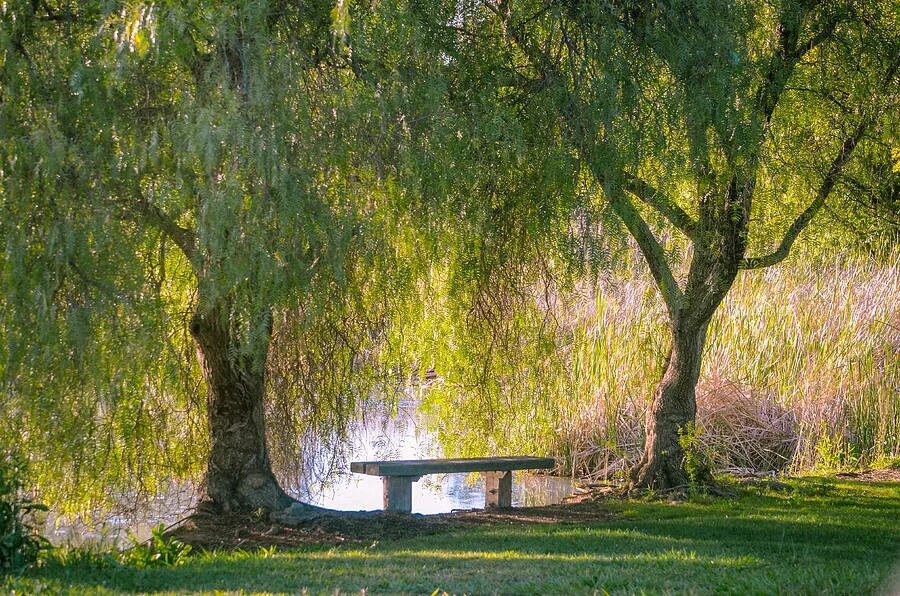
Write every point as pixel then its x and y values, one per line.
pixel 381 434
pixel 117 529
pixel 440 493
pixel 386 435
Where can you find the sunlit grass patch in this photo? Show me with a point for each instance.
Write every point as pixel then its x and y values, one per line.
pixel 817 536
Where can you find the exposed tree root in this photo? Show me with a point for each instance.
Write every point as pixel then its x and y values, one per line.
pixel 208 529
pixel 664 477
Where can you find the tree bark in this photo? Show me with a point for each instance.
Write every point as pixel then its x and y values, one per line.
pixel 239 476
pixel 674 408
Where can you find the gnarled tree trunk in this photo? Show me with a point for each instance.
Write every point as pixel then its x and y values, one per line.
pixel 674 408
pixel 239 476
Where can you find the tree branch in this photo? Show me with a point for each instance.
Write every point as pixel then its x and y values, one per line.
pixel 637 227
pixel 151 214
pixel 817 39
pixel 786 58
pixel 663 204
pixel 806 217
pixel 105 288
pixel 825 188
pixel 651 249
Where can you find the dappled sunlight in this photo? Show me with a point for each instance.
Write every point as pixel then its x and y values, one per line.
pixel 651 249
pixel 771 542
pixel 525 556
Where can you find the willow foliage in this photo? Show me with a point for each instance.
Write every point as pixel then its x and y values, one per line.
pixel 357 190
pixel 162 158
pixel 709 132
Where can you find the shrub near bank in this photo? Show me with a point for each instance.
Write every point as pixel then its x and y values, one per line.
pixel 20 543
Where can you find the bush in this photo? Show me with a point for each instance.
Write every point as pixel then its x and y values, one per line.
pixel 20 543
pixel 159 551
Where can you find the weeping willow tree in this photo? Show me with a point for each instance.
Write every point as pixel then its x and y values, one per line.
pixel 242 199
pixel 189 204
pixel 718 130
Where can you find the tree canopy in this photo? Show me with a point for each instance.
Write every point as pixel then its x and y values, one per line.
pixel 314 197
pixel 166 159
pixel 712 133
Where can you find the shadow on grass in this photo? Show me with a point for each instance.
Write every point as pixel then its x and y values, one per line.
pixel 761 543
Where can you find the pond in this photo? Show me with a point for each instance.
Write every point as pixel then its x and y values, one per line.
pixel 381 434
pixel 402 435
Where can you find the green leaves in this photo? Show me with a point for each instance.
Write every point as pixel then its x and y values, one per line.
pixel 340 22
pixel 20 541
pixel 159 551
pixel 363 178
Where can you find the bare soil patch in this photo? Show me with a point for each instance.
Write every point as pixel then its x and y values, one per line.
pixel 886 475
pixel 209 530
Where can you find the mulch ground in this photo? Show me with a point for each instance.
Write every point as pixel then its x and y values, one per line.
pixel 208 530
pixel 886 475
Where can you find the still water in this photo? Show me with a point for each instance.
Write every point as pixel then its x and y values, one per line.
pixel 382 434
pixel 402 435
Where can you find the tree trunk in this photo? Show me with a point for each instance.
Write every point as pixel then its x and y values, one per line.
pixel 239 476
pixel 674 408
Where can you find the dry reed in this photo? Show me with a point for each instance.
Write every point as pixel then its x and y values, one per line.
pixel 801 370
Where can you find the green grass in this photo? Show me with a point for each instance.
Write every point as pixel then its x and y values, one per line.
pixel 819 536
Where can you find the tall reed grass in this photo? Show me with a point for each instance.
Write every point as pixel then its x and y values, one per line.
pixel 801 370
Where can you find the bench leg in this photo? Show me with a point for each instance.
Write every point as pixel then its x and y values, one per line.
pixel 497 489
pixel 398 493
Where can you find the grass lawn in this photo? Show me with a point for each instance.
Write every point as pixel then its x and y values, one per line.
pixel 818 536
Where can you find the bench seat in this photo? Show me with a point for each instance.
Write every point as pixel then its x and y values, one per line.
pixel 398 476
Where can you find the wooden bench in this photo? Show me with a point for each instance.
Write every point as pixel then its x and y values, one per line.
pixel 399 475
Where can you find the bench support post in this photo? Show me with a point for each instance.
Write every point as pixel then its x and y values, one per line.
pixel 398 493
pixel 497 489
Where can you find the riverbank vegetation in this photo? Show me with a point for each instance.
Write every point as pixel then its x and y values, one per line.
pixel 801 374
